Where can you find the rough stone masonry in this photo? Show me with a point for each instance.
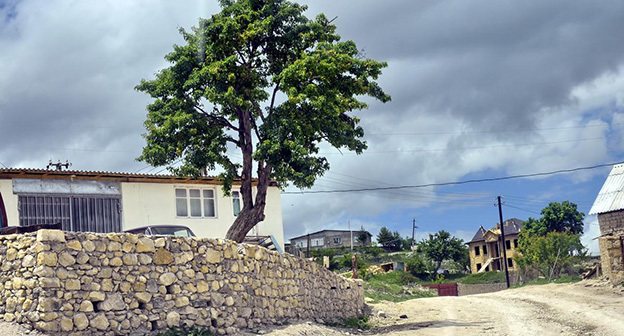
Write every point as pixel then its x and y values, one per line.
pixel 124 284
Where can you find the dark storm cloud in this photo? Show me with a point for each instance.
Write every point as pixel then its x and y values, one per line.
pixel 490 63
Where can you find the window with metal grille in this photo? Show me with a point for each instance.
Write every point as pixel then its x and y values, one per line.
pixel 236 202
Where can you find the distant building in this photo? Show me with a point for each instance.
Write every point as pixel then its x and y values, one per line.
pixel 328 239
pixel 486 247
pixel 609 206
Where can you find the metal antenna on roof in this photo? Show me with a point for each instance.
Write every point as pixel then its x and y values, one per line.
pixel 59 166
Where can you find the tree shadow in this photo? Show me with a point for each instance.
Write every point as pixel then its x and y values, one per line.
pixel 422 325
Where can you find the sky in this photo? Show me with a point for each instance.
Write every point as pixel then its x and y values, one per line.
pixel 480 89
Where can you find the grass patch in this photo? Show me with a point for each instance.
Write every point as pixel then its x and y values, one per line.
pixel 483 278
pixel 395 287
pixel 360 322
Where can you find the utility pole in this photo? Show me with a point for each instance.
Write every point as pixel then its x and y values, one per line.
pixel 414 227
pixel 502 227
pixel 351 234
pixel 308 247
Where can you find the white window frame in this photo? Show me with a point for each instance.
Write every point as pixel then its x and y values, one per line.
pixel 315 242
pixel 302 244
pixel 338 240
pixel 202 199
pixel 236 196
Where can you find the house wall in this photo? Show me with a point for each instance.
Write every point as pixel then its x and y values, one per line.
pixel 10 202
pixel 155 203
pixel 482 258
pixel 71 283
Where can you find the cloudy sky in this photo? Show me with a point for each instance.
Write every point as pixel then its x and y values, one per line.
pixel 480 89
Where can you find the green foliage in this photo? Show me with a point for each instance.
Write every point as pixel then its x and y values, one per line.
pixel 361 236
pixel 345 262
pixel 416 265
pixel 320 253
pixel 550 254
pixel 393 286
pixel 175 331
pixel 439 279
pixel 442 246
pixel 483 278
pixel 263 78
pixel 360 322
pixel 391 241
pixel 556 217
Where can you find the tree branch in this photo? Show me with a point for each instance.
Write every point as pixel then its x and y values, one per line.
pixel 275 90
pixel 221 121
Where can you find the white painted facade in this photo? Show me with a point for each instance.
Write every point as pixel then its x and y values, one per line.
pixel 148 203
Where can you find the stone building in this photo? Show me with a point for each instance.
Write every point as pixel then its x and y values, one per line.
pixel 486 247
pixel 609 206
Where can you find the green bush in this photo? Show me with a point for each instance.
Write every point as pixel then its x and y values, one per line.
pixel 416 266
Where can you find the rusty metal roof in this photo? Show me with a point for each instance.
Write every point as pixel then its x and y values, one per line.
pixel 611 196
pixel 25 173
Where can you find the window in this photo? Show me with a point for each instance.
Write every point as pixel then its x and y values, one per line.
pixel 301 243
pixel 195 203
pixel 508 244
pixel 236 202
pixel 317 242
pixel 487 268
pixel 515 243
pixel 509 262
pixel 485 249
pixel 478 267
pixel 477 250
pixel 337 241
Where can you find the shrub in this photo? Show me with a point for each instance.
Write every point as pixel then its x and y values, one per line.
pixel 175 331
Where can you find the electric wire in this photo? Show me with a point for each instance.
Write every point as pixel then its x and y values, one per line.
pixel 502 178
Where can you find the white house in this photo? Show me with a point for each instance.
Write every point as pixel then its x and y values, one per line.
pixel 112 202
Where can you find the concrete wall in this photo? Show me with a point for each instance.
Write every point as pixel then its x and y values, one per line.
pixel 122 284
pixel 154 203
pixel 464 289
pixel 10 201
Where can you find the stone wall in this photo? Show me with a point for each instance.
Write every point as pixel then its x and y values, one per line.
pixel 611 258
pixel 611 222
pixel 463 289
pixel 124 284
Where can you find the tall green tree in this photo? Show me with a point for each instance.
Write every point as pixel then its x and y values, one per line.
pixel 556 217
pixel 384 236
pixel 442 246
pixel 362 236
pixel 262 79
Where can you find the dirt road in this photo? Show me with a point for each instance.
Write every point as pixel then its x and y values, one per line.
pixel 586 308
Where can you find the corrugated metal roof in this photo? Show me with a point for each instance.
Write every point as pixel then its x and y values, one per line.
pixel 611 196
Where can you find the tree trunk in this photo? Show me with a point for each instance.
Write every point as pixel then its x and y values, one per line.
pixel 253 211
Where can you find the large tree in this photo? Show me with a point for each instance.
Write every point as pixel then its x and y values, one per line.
pixel 442 246
pixel 556 217
pixel 262 79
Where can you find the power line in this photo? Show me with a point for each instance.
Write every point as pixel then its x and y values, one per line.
pixel 453 183
pixel 515 207
pixel 467 148
pixel 505 131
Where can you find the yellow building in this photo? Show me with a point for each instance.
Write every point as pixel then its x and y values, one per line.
pixel 486 247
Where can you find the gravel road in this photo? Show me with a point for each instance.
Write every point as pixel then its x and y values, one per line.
pixel 585 308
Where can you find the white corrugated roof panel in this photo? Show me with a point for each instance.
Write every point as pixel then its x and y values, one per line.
pixel 611 196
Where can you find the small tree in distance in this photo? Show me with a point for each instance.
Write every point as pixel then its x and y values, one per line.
pixel 262 79
pixel 442 246
pixel 362 236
